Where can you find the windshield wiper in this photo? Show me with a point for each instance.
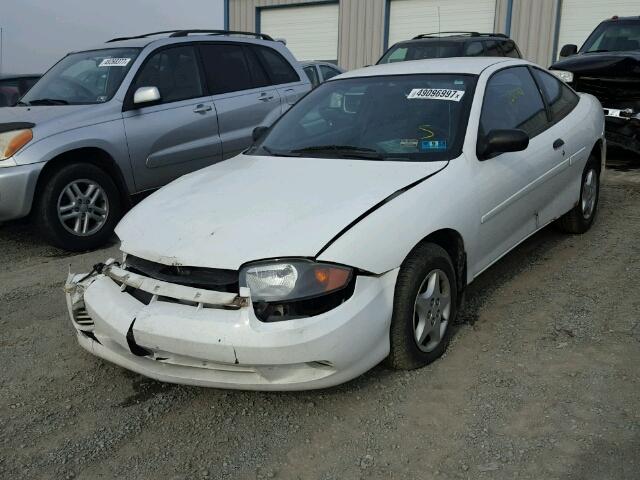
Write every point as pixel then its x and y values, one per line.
pixel 22 104
pixel 349 151
pixel 598 51
pixel 278 154
pixel 48 101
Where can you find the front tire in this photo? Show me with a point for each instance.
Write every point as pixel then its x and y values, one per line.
pixel 424 309
pixel 580 218
pixel 78 207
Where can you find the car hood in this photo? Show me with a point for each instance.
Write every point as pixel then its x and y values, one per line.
pixel 605 64
pixel 251 208
pixel 52 119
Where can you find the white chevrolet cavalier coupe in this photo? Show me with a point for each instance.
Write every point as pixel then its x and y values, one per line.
pixel 348 232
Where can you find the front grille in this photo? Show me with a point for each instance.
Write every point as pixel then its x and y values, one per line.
pixel 197 277
pixel 609 90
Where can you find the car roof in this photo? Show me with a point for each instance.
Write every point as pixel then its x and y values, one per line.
pixel 468 65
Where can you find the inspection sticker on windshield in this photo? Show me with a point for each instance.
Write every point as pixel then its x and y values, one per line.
pixel 115 62
pixel 436 94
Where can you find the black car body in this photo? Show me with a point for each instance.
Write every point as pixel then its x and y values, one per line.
pixel 608 67
pixel 452 44
pixel 13 87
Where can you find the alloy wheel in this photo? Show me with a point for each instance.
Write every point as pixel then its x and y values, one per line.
pixel 432 311
pixel 83 207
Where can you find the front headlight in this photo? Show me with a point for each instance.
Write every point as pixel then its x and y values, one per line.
pixel 563 75
pixel 11 142
pixel 292 279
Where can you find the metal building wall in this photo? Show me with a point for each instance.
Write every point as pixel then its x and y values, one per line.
pixel 362 26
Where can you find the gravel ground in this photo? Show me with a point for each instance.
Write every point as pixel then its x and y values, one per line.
pixel 541 381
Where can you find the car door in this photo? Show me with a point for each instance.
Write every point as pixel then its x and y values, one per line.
pixel 241 91
pixel 289 84
pixel 569 152
pixel 508 199
pixel 179 133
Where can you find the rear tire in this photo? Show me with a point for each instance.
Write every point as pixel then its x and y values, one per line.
pixel 78 207
pixel 424 309
pixel 580 218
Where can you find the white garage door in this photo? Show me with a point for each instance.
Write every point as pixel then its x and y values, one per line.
pixel 579 17
pixel 408 18
pixel 311 31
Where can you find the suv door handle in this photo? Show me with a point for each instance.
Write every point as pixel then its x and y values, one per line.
pixel 202 108
pixel 558 143
pixel 264 97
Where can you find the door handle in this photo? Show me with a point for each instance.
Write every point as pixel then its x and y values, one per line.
pixel 558 143
pixel 265 98
pixel 202 108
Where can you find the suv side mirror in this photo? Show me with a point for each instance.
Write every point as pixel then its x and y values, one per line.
pixel 259 132
pixel 146 95
pixel 502 141
pixel 568 50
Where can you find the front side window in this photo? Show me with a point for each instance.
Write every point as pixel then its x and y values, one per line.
pixel 422 50
pixel 278 68
pixel 512 101
pixel 174 72
pixel 560 98
pixel 618 36
pixel 393 118
pixel 328 72
pixel 83 78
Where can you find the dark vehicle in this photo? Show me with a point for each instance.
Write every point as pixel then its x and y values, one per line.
pixel 452 44
pixel 12 87
pixel 608 67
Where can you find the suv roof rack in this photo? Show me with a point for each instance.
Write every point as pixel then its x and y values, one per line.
pixel 461 34
pixel 184 33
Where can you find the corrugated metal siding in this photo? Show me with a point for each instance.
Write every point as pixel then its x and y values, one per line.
pixel 361 32
pixel 533 27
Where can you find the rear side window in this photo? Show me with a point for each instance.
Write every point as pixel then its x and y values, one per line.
pixel 560 98
pixel 491 49
pixel 512 100
pixel 175 73
pixel 473 49
pixel 328 72
pixel 509 49
pixel 277 67
pixel 258 74
pixel 226 68
pixel 312 73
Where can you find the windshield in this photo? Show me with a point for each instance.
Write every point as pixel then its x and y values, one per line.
pixel 418 51
pixel 83 78
pixel 613 37
pixel 400 117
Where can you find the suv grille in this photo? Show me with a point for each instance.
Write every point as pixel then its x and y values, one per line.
pixel 206 278
pixel 609 90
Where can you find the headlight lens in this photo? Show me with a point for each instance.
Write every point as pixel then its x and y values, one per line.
pixel 286 280
pixel 563 75
pixel 11 142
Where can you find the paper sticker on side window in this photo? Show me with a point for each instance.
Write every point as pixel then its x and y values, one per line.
pixel 436 94
pixel 115 62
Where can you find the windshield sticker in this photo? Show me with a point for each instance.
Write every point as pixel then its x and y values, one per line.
pixel 436 94
pixel 409 142
pixel 426 131
pixel 433 145
pixel 115 62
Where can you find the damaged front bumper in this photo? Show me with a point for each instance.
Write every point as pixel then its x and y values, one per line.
pixel 202 337
pixel 622 128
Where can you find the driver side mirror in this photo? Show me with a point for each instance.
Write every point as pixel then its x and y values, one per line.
pixel 568 50
pixel 145 95
pixel 258 133
pixel 502 141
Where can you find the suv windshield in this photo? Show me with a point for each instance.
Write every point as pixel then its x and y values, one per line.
pixel 399 117
pixel 421 50
pixel 83 78
pixel 615 36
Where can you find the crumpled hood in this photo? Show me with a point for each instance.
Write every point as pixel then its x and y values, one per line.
pixel 605 64
pixel 251 208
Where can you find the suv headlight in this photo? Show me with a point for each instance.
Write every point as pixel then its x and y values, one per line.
pixel 292 279
pixel 11 142
pixel 563 75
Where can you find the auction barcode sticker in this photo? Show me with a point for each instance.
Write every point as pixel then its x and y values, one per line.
pixel 436 94
pixel 115 62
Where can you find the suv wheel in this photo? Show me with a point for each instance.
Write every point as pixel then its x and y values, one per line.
pixel 79 207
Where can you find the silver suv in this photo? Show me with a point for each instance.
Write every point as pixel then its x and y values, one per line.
pixel 132 115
